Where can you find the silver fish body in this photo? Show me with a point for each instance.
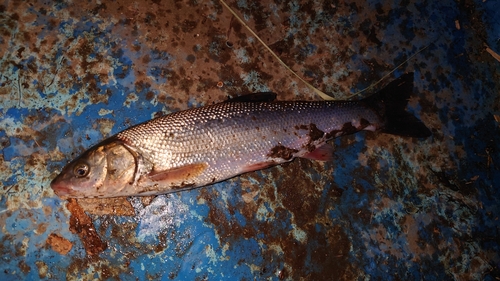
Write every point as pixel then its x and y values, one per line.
pixel 200 146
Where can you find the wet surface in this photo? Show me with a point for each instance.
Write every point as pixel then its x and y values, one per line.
pixel 386 207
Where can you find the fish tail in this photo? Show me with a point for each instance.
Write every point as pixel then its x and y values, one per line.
pixel 390 103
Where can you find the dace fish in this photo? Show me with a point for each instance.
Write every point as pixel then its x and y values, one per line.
pixel 205 145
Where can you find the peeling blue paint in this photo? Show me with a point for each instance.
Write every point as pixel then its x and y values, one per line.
pixel 384 208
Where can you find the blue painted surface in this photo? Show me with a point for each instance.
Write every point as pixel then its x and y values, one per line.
pixel 385 208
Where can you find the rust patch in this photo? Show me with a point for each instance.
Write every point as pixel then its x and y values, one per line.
pixel 301 127
pixel 24 267
pixel 332 134
pixel 183 185
pixel 118 206
pixel 348 129
pixel 225 227
pixel 59 244
pixel 146 200
pixel 282 152
pixel 300 197
pixel 81 224
pixel 297 196
pixel 315 133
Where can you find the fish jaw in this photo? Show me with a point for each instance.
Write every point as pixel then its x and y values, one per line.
pixel 60 189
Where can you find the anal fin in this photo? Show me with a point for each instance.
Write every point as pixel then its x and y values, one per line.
pixel 322 153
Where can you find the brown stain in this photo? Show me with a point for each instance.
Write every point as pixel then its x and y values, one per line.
pixel 230 73
pixel 59 243
pixel 80 223
pixel 105 126
pixel 79 266
pixel 121 233
pixel 24 267
pixel 42 269
pixel 299 196
pixel 182 186
pixel 347 129
pixel 315 133
pixel 282 152
pixel 189 29
pixel 119 206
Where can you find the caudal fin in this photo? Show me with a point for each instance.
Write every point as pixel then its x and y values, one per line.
pixel 398 121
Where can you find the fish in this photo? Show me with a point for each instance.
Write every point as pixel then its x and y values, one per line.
pixel 205 145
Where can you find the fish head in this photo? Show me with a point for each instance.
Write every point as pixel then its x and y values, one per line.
pixel 105 170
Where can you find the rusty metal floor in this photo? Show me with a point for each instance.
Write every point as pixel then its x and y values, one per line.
pixel 386 208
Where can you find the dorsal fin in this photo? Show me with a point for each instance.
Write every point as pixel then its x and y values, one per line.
pixel 254 97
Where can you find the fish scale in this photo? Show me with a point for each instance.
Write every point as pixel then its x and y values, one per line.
pixel 232 136
pixel 200 146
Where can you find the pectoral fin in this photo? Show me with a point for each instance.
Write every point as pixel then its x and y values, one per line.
pixel 181 174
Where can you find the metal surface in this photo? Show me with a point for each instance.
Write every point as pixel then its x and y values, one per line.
pixel 385 208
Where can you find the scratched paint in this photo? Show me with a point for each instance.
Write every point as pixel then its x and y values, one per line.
pixel 385 208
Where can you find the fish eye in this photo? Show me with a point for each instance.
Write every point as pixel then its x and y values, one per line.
pixel 81 170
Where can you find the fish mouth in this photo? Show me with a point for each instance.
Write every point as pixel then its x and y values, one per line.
pixel 60 190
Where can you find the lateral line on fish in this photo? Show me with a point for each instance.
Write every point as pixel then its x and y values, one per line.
pixel 322 94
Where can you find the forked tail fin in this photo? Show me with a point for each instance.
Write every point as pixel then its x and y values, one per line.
pixel 394 98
